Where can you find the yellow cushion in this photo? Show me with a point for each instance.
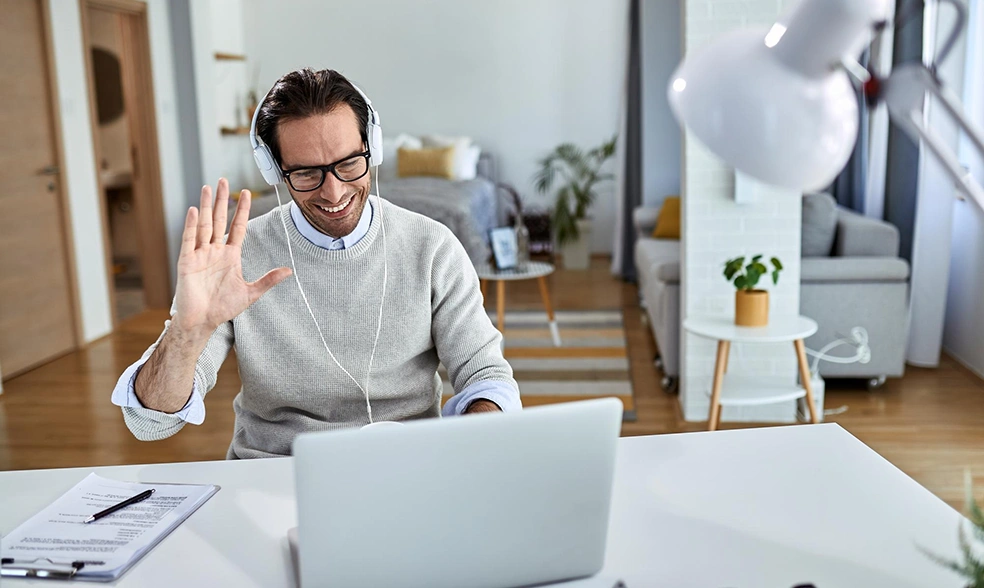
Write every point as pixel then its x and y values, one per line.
pixel 668 221
pixel 437 162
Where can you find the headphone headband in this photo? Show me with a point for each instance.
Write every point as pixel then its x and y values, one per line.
pixel 270 168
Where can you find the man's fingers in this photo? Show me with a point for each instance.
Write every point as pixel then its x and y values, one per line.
pixel 269 280
pixel 205 217
pixel 221 212
pixel 238 229
pixel 190 231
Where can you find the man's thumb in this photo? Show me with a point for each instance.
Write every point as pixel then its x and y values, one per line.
pixel 268 281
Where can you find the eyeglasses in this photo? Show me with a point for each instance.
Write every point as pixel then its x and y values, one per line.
pixel 308 179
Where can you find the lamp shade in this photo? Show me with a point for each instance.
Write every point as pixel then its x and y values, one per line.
pixel 776 104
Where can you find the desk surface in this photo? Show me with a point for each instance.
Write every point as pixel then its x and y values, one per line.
pixel 756 507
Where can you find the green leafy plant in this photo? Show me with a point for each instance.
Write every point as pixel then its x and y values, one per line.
pixel 581 172
pixel 972 567
pixel 746 277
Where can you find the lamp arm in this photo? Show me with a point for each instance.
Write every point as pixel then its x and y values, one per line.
pixel 904 91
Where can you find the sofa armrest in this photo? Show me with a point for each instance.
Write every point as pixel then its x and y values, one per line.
pixel 853 269
pixel 644 220
pixel 860 236
pixel 669 273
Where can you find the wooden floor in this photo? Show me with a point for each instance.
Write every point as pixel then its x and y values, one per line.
pixel 928 423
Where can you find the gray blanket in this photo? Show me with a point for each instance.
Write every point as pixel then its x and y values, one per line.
pixel 467 207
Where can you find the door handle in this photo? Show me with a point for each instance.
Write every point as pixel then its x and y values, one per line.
pixel 49 170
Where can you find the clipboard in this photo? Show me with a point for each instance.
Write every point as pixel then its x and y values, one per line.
pixel 41 567
pixel 55 543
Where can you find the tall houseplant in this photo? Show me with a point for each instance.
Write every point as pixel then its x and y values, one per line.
pixel 580 172
pixel 751 304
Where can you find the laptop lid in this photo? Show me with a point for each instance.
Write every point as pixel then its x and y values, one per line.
pixel 483 501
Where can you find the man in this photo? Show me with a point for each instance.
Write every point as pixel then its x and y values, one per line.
pixel 323 349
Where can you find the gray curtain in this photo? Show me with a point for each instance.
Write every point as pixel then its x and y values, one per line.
pixel 902 175
pixel 849 187
pixel 632 195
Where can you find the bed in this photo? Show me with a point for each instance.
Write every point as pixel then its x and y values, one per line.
pixel 467 207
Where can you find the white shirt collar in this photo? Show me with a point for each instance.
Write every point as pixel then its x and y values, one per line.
pixel 307 230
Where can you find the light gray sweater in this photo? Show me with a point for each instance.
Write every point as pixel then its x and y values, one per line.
pixel 433 312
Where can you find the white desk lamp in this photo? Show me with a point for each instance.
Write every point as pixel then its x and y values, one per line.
pixel 780 106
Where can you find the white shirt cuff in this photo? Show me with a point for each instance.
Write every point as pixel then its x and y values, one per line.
pixel 499 392
pixel 124 394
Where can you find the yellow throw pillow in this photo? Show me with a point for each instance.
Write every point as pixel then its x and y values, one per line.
pixel 437 162
pixel 668 221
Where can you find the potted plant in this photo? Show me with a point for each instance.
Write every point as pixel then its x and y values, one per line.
pixel 972 566
pixel 580 172
pixel 751 304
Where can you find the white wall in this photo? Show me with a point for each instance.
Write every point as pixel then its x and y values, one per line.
pixel 962 337
pixel 79 175
pixel 661 53
pixel 221 86
pixel 519 77
pixel 716 228
pixel 78 179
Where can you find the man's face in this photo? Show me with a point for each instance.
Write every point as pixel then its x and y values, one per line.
pixel 322 140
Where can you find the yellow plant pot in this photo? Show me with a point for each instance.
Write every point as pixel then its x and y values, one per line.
pixel 752 308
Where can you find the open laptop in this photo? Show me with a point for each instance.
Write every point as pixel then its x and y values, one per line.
pixel 483 501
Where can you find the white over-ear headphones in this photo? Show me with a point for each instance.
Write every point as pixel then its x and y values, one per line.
pixel 268 165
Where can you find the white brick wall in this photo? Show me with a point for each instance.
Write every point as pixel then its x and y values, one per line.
pixel 716 228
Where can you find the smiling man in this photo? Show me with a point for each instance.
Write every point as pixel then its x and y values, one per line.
pixel 380 296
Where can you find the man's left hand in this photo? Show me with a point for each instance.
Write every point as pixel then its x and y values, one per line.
pixel 482 405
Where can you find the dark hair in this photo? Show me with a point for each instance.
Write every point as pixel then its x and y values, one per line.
pixel 303 93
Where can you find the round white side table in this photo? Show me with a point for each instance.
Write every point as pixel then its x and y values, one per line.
pixel 537 270
pixel 750 391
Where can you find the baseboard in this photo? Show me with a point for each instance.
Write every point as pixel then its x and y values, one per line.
pixel 956 357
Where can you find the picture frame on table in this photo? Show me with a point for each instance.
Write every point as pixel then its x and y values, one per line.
pixel 504 248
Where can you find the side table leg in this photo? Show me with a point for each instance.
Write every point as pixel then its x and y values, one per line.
pixel 806 379
pixel 545 294
pixel 719 366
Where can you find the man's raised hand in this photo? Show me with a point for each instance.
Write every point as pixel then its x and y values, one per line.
pixel 210 288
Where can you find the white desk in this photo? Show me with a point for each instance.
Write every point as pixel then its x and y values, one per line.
pixel 748 508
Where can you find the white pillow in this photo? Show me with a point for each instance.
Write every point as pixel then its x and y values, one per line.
pixel 388 170
pixel 465 166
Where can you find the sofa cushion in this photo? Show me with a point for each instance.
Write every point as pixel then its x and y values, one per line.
pixel 834 270
pixel 652 253
pixel 819 224
pixel 668 221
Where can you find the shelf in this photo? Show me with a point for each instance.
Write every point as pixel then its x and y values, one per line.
pixel 219 56
pixel 234 130
pixel 744 390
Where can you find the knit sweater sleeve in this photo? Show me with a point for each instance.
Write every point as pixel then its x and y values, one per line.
pixel 468 345
pixel 151 425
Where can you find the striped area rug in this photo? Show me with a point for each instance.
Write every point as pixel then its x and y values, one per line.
pixel 591 362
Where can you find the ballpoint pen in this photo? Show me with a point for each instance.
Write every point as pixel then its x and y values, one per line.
pixel 139 497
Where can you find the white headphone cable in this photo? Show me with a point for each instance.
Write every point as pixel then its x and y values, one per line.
pixel 297 278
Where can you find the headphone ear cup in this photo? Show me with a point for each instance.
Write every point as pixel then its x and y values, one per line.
pixel 375 134
pixel 267 164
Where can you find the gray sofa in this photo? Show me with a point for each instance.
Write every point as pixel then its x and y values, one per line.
pixel 851 275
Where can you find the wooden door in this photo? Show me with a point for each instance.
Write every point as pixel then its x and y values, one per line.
pixel 138 98
pixel 37 308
